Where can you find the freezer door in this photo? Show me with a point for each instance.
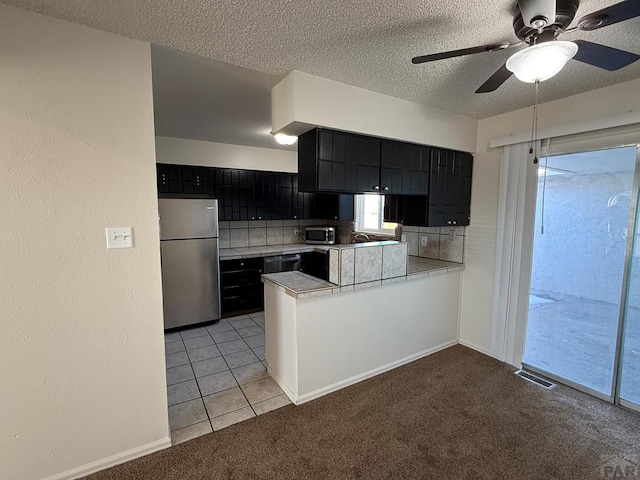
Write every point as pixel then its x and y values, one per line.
pixel 190 281
pixel 188 218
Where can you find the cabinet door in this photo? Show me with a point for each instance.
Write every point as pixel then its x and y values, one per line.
pixel 262 195
pixel 393 209
pixel 286 196
pixel 223 188
pixel 450 188
pixel 332 154
pixel 402 170
pixel 191 180
pixel 362 164
pixel 208 181
pixel 248 199
pixel 332 206
pixel 168 178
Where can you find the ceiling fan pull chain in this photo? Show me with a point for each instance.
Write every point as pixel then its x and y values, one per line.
pixel 533 147
pixel 544 185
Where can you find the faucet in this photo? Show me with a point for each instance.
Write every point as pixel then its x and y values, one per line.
pixel 361 235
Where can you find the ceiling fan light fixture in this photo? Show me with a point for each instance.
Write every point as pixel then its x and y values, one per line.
pixel 541 62
pixel 283 139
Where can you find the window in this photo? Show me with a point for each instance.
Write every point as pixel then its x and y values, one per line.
pixel 370 215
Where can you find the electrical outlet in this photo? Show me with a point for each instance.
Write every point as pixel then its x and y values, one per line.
pixel 423 241
pixel 452 235
pixel 296 232
pixel 119 237
pixel 404 237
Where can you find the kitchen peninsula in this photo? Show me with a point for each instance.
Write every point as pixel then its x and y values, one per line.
pixel 377 312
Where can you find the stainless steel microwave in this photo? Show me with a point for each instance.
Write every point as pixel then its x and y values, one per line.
pixel 320 235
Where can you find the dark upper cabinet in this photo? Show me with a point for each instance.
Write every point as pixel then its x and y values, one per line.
pixel 450 188
pixel 168 177
pixel 330 161
pixel 404 168
pixel 302 202
pixel 449 200
pixel 224 193
pixel 363 164
pixel 192 180
pixel 406 209
pixel 331 206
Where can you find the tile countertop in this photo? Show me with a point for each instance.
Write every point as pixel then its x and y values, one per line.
pixel 300 285
pixel 272 250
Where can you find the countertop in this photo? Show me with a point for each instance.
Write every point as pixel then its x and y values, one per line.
pixel 272 250
pixel 300 285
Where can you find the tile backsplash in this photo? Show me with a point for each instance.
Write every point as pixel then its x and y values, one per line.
pixel 443 243
pixel 258 233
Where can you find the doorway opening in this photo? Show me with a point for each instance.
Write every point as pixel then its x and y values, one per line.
pixel 584 307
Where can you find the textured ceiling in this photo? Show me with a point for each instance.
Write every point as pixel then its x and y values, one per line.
pixel 364 43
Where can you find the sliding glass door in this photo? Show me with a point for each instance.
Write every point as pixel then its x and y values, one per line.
pixel 580 264
pixel 628 368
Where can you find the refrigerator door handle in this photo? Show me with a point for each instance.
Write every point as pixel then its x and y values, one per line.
pixel 211 208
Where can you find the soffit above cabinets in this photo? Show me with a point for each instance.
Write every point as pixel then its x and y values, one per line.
pixel 362 43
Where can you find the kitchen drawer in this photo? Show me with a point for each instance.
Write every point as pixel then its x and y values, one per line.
pixel 241 264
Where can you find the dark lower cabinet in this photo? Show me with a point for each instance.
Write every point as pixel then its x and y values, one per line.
pixel 241 290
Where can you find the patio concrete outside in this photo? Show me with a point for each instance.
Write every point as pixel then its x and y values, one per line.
pixel 575 338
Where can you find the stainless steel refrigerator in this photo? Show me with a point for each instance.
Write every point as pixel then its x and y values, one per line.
pixel 189 252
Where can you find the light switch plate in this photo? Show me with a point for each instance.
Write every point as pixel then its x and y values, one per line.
pixel 423 241
pixel 119 237
pixel 452 235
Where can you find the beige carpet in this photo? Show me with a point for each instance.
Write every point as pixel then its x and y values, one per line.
pixel 453 415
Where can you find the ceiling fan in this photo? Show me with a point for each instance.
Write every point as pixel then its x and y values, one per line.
pixel 538 23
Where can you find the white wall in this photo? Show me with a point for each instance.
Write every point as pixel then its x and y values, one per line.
pixel 477 291
pixel 195 152
pixel 301 101
pixel 82 348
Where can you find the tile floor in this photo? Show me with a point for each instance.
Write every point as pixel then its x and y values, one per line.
pixel 217 376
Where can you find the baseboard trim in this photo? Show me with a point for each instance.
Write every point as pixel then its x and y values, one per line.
pixel 299 400
pixel 475 347
pixel 112 460
pixel 285 388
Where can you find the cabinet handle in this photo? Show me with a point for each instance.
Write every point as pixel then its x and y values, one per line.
pixel 259 218
pixel 335 218
pixel 449 222
pixel 377 187
pixel 253 218
pixel 455 223
pixel 386 189
pixel 295 216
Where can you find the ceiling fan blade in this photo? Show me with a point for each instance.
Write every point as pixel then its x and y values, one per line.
pixel 465 51
pixel 602 56
pixel 608 16
pixel 497 79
